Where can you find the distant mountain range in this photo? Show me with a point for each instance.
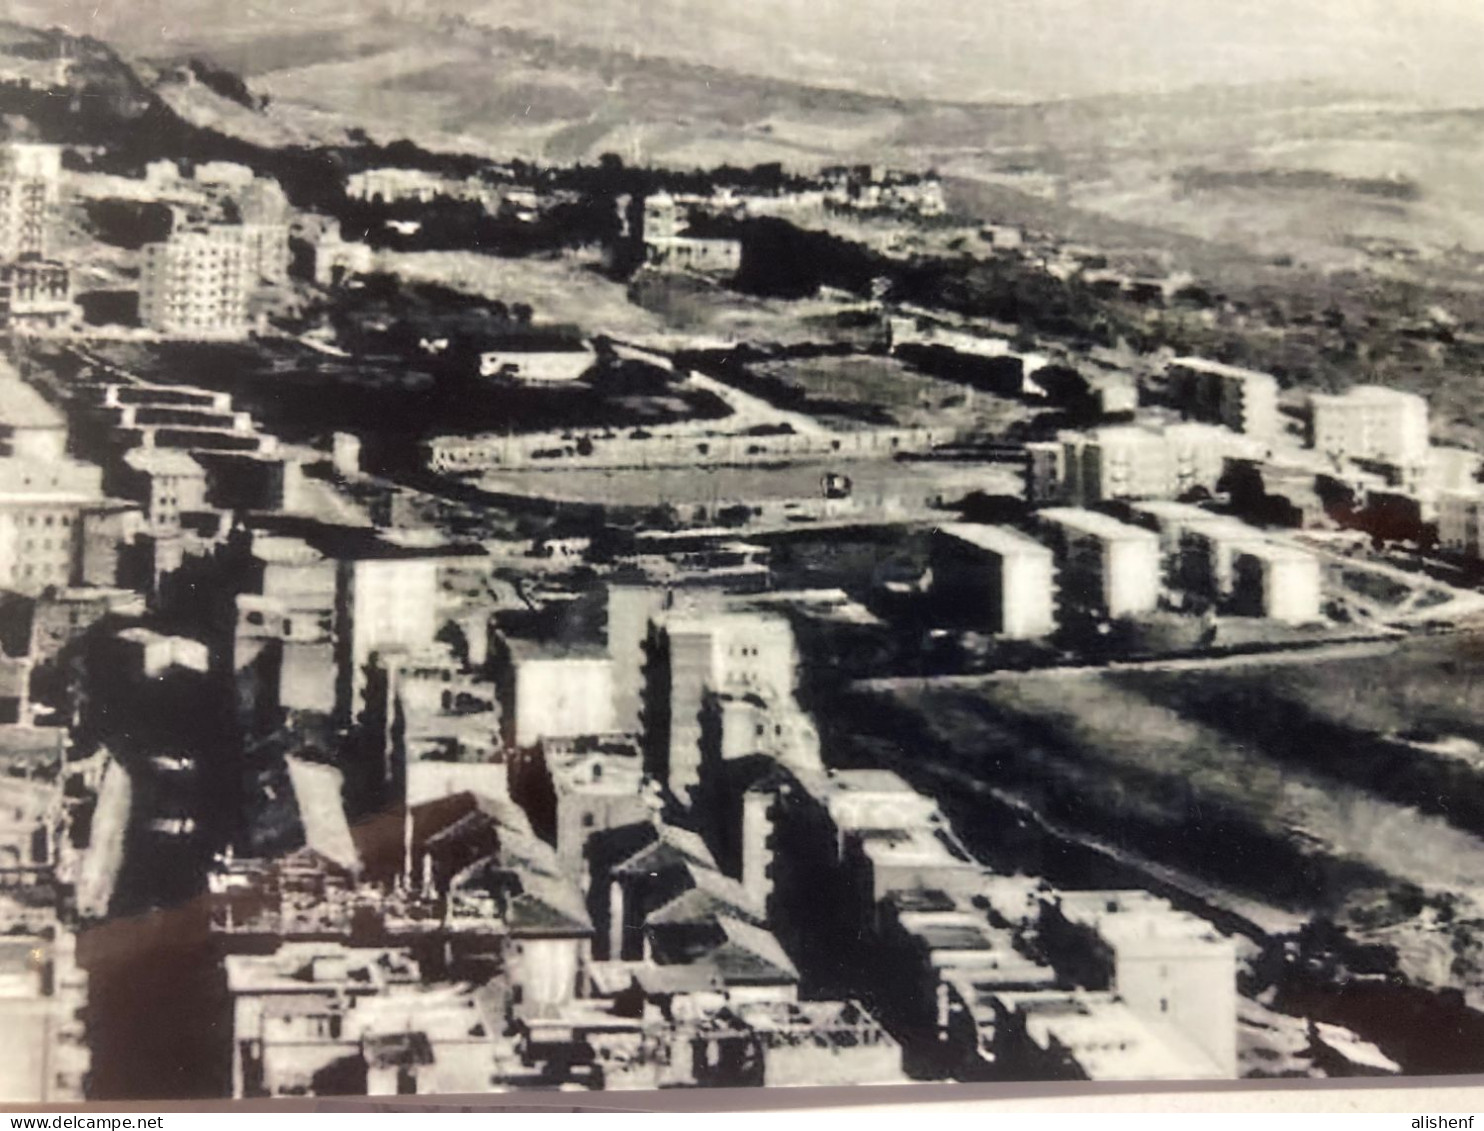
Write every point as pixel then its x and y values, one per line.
pixel 1307 171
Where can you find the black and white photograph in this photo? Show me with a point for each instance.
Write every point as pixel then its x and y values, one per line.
pixel 625 545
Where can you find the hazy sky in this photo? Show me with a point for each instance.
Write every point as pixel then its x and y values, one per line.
pixel 1432 49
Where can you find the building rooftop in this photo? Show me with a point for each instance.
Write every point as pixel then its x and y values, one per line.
pixel 1105 1038
pixel 524 650
pixel 996 539
pixel 163 461
pixel 305 966
pixel 21 406
pixel 1269 551
pixel 317 792
pixel 282 550
pixel 1205 365
pixel 1136 918
pixel 672 846
pixel 598 774
pixel 1096 524
pixel 1372 394
pixel 911 847
pixel 870 781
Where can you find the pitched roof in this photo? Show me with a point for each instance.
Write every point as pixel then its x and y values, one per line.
pixel 712 896
pixel 674 847
pixel 752 954
pixel 322 812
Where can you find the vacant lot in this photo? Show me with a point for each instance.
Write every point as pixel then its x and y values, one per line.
pixel 1328 788
pixel 905 396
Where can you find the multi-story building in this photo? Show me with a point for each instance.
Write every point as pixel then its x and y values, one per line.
pixel 324 1018
pixel 1172 969
pixel 1276 581
pixel 383 603
pixel 1459 523
pixel 998 579
pixel 1370 422
pixel 1199 547
pixel 389 185
pixel 553 690
pixel 31 428
pixel 43 1003
pixel 1107 567
pixel 165 482
pixel 263 211
pixel 631 607
pixel 1243 400
pixel 576 788
pixel 439 724
pixel 668 248
pixel 195 284
pixel 35 294
pixel 30 186
pixel 43 494
pixel 731 653
pixel 1133 462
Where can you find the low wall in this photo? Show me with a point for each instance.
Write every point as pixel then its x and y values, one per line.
pixel 446 454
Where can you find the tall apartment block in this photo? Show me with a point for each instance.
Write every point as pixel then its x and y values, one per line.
pixel 1171 968
pixel 1132 462
pixel 42 493
pixel 1107 567
pixel 1370 422
pixel 740 653
pixel 999 579
pixel 385 603
pixel 30 184
pixel 195 284
pixel 1243 400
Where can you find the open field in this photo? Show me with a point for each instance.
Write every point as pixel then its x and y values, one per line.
pixel 904 395
pixel 731 485
pixel 1289 783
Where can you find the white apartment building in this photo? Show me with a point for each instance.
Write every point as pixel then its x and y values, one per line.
pixel 41 505
pixel 1244 400
pixel 1276 581
pixel 1000 579
pixel 383 604
pixel 195 284
pixel 1174 970
pixel 735 653
pixel 30 186
pixel 1107 567
pixel 1370 422
pixel 1133 461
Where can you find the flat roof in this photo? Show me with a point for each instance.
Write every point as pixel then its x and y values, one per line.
pixel 163 461
pixel 1205 365
pixel 1270 551
pixel 1106 1038
pixel 1375 394
pixel 1136 916
pixel 996 539
pixel 1096 524
pixel 870 781
pixel 897 847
